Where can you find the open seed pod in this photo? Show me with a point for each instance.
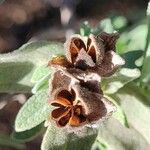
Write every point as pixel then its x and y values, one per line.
pixel 76 103
pixel 109 65
pixel 109 40
pixel 60 80
pixel 90 54
pixel 66 79
pixel 95 105
pixel 84 52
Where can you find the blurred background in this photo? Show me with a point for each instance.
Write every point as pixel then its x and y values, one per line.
pixel 22 21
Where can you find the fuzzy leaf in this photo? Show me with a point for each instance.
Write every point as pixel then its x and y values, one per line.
pixel 39 73
pixel 120 138
pixel 100 145
pixel 33 112
pixel 28 135
pixel 119 79
pixel 41 85
pixel 119 114
pixel 16 68
pixel 59 138
pixel 136 105
pixel 42 79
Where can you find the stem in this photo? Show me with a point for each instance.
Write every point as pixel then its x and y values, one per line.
pixel 146 53
pixel 147 38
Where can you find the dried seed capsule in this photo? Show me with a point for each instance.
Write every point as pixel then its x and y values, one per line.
pixel 109 40
pixel 94 54
pixel 77 103
pixel 84 49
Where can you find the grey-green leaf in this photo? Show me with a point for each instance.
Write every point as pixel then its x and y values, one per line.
pixel 119 114
pixel 120 138
pixel 42 80
pixel 119 79
pixel 59 138
pixel 39 73
pixel 41 85
pixel 119 22
pixel 16 68
pixel 33 112
pixel 136 106
pixel 28 135
pixel 100 145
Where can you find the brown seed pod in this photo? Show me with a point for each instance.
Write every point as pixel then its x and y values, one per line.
pixel 61 80
pixel 86 79
pixel 91 51
pixel 59 61
pixel 76 103
pixel 79 107
pixel 110 64
pixel 69 110
pixel 76 92
pixel 109 40
pixel 95 54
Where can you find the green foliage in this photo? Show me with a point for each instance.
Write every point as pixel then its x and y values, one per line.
pixel 100 145
pixel 41 85
pixel 106 25
pixel 16 68
pixel 27 135
pixel 119 114
pixel 33 112
pixel 119 79
pixel 132 39
pixel 39 73
pixel 145 77
pixel 26 69
pixel 121 138
pixel 41 77
pixel 135 104
pixel 119 22
pixel 58 138
pixel 85 29
pixel 148 9
pixel 131 58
